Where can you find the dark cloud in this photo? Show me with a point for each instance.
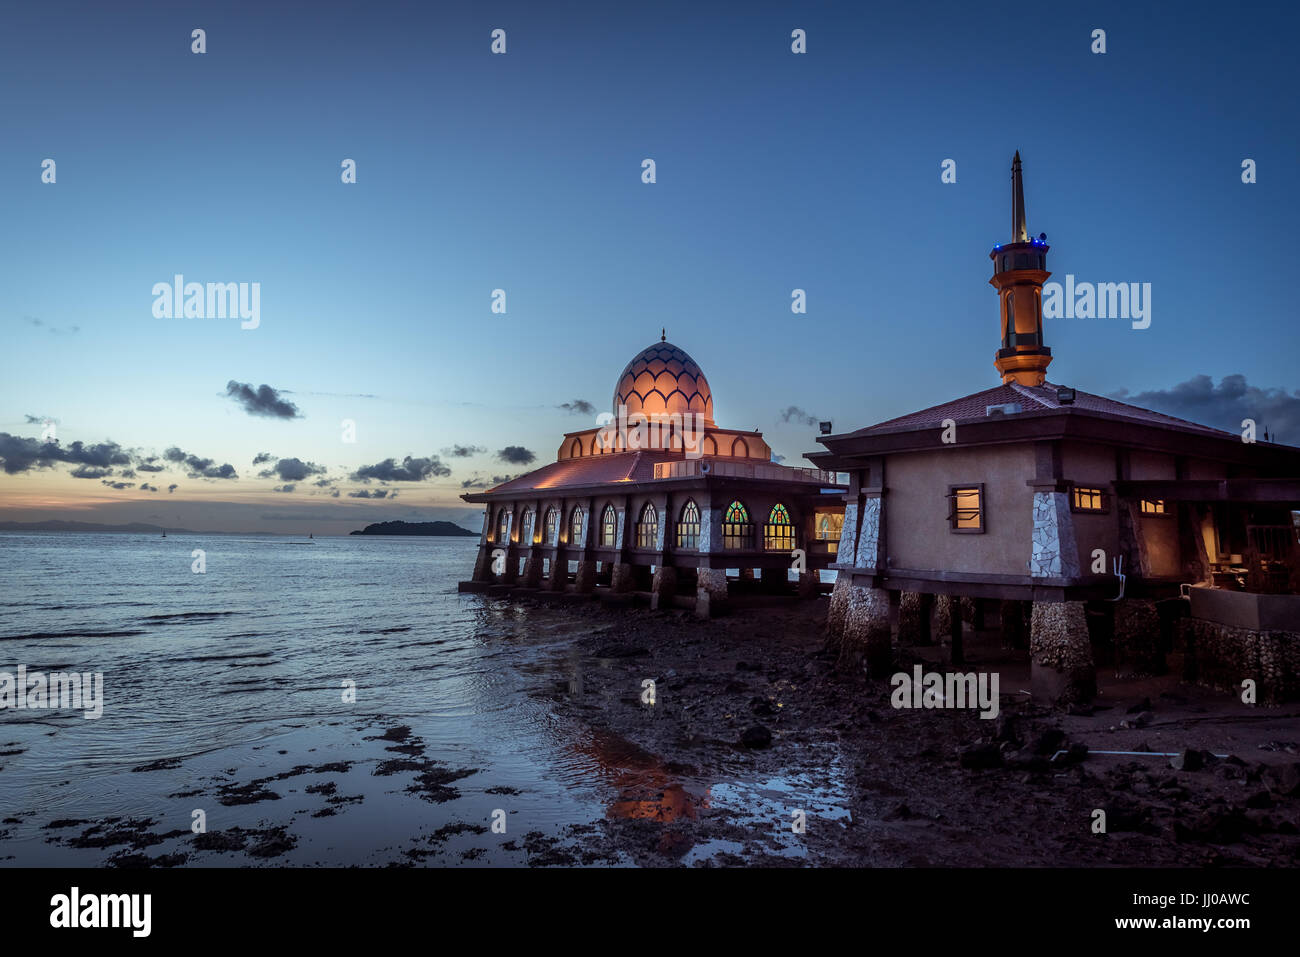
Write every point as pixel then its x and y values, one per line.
pixel 1225 405
pixel 200 467
pixel 20 454
pixel 795 414
pixel 577 407
pixel 263 457
pixel 89 472
pixel 284 488
pixel 118 485
pixel 463 451
pixel 516 455
pixel 127 473
pixel 411 470
pixel 334 494
pixel 376 493
pixel 40 419
pixel 146 487
pixel 480 481
pixel 292 470
pixel 171 488
pixel 262 400
pixel 148 466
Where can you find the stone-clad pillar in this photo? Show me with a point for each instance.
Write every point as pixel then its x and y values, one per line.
pixel 711 587
pixel 1061 654
pixel 1054 552
pixel 1137 638
pixel 914 618
pixel 584 581
pixel 866 637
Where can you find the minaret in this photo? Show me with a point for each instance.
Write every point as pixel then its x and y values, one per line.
pixel 1019 271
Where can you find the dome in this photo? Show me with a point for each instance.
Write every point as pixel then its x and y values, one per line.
pixel 663 380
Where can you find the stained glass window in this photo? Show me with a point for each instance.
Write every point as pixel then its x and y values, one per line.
pixel 609 526
pixel 647 529
pixel 575 526
pixel 737 532
pixel 778 534
pixel 552 519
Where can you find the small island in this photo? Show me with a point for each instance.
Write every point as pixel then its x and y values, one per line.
pixel 415 528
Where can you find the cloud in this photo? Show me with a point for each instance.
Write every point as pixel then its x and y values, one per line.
pixel 284 488
pixel 148 465
pixel 1225 405
pixel 463 451
pixel 262 457
pixel 40 419
pixel 578 407
pixel 411 470
pixel 54 330
pixel 795 414
pixel 146 487
pixel 118 485
pixel 516 455
pixel 20 454
pixel 292 470
pixel 89 472
pixel 171 488
pixel 376 493
pixel 263 400
pixel 200 467
pixel 479 481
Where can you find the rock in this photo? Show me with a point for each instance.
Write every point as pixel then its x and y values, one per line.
pixel 1188 760
pixel 1138 721
pixel 1004 728
pixel 756 736
pixel 1283 779
pixel 980 757
pixel 1218 825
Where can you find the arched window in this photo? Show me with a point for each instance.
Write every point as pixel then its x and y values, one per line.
pixel 503 526
pixel 609 526
pixel 575 450
pixel 709 446
pixel 575 526
pixel 778 534
pixel 737 531
pixel 552 520
pixel 526 527
pixel 647 528
pixel 688 527
pixel 740 448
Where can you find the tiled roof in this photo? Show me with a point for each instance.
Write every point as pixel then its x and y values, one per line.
pixel 590 470
pixel 1031 399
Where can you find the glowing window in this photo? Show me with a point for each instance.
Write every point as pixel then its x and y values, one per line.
pixel 526 536
pixel 778 534
pixel 688 527
pixel 1087 499
pixel 575 526
pixel 552 520
pixel 647 528
pixel 966 508
pixel 1154 506
pixel 737 531
pixel 609 526
pixel 503 526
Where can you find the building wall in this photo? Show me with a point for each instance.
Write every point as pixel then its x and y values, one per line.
pixel 916 510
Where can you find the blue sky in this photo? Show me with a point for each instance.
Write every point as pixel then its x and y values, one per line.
pixel 523 172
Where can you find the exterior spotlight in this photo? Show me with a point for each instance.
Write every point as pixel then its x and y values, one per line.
pixel 825 427
pixel 1064 395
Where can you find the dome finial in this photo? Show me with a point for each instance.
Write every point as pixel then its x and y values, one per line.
pixel 663 334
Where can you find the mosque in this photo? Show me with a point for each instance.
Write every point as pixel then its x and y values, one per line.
pixel 661 501
pixel 1087 531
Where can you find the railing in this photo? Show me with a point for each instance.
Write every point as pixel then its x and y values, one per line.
pixel 778 473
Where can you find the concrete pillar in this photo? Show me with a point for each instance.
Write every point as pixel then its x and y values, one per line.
pixel 584 581
pixel 510 574
pixel 664 587
pixel 809 585
pixel 747 574
pixel 945 609
pixel 1137 638
pixel 775 580
pixel 559 576
pixel 622 578
pixel 710 592
pixel 914 618
pixel 1015 632
pixel 532 577
pixel 867 637
pixel 483 563
pixel 1061 654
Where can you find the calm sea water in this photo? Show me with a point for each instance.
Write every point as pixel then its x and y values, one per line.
pixel 236 674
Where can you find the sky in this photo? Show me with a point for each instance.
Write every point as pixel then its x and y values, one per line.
pixel 523 172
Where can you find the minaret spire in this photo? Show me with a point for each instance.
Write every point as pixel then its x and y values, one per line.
pixel 1019 234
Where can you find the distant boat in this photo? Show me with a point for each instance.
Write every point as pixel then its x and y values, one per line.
pixel 164 534
pixel 309 535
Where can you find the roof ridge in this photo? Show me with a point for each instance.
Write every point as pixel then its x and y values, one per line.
pixel 1025 391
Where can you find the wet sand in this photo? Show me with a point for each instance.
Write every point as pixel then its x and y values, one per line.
pixel 751 728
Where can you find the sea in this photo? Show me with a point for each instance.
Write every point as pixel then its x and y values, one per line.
pixel 229 660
